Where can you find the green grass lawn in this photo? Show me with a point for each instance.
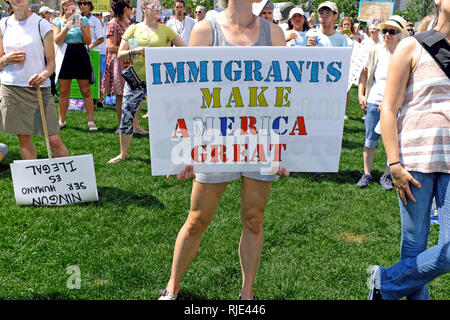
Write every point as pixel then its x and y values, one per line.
pixel 321 232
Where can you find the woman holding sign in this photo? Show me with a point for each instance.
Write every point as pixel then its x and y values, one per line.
pixel 149 33
pixel 27 60
pixel 235 26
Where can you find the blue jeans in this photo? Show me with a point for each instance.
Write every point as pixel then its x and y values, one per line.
pixel 419 265
pixel 371 119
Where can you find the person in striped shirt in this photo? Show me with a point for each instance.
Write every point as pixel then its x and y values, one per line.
pixel 415 126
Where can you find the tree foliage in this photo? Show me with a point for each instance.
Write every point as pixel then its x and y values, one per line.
pixel 416 10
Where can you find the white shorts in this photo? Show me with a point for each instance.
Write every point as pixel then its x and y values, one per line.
pixel 230 176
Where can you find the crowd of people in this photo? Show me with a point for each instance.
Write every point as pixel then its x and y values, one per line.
pixel 393 61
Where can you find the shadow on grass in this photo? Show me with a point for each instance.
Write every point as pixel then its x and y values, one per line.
pixel 49 296
pixel 346 144
pixel 341 177
pixel 122 199
pixel 189 296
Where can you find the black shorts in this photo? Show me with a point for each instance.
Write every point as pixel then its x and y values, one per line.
pixel 76 63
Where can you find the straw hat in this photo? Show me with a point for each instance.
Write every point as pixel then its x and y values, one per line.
pixel 395 22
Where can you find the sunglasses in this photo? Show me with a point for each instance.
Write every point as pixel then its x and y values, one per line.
pixel 155 7
pixel 83 3
pixel 390 31
pixel 198 11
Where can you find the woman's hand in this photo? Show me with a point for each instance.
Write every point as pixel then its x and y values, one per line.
pixel 402 179
pixel 187 173
pixel 362 102
pixel 139 50
pixel 37 80
pixel 15 57
pixel 291 35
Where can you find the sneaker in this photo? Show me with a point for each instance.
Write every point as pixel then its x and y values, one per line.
pixel 364 181
pixel 166 295
pixel 434 219
pixel 99 105
pixel 386 182
pixel 373 283
pixel 345 117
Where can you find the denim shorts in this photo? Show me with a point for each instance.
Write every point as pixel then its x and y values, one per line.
pixel 371 120
pixel 230 176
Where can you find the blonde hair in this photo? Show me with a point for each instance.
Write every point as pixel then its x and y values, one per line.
pixel 63 2
pixel 425 22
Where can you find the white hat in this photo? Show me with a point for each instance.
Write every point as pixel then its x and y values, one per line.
pixel 328 4
pixel 258 6
pixel 45 9
pixel 296 10
pixel 395 22
pixel 105 14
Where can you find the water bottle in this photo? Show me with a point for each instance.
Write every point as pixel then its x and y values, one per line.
pixel 75 17
pixel 314 34
pixel 133 43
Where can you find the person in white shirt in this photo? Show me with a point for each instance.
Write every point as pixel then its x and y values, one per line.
pixel 27 59
pixel 181 23
pixel 97 33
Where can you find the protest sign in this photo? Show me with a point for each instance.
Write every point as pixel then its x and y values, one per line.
pixel 375 10
pixel 246 108
pixel 57 181
pixel 360 55
pixel 95 88
pixel 101 5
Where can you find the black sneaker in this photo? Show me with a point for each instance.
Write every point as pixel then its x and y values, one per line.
pixel 364 181
pixel 254 298
pixel 99 105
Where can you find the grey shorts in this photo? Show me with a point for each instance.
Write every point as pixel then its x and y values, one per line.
pixel 230 176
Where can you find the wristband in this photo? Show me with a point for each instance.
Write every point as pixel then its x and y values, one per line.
pixel 393 163
pixel 131 52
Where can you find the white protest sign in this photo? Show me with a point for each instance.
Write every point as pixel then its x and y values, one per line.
pixel 360 55
pixel 57 181
pixel 230 109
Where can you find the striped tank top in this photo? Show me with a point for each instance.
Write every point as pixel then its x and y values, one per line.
pixel 424 118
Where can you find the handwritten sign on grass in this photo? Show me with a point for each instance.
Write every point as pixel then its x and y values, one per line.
pixel 54 182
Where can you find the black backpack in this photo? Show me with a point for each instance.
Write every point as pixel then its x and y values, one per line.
pixel 440 52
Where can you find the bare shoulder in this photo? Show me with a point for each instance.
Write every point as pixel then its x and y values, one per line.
pixel 277 35
pixel 407 51
pixel 201 34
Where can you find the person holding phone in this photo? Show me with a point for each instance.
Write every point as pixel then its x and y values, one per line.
pixel 72 35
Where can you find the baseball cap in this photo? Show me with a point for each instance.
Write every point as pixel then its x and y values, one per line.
pixel 44 9
pixel 330 5
pixel 296 10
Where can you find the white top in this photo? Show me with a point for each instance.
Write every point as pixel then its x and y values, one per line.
pixel 102 46
pixel 379 82
pixel 183 29
pixel 24 35
pixel 335 40
pixel 97 32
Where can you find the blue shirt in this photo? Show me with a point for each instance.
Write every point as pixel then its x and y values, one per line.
pixel 335 40
pixel 74 35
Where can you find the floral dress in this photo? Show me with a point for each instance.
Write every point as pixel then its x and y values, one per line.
pixel 113 82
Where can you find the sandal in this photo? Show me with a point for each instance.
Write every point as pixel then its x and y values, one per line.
pixel 92 126
pixel 62 124
pixel 166 295
pixel 140 131
pixel 118 159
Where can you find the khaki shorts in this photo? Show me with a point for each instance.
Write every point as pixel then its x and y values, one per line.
pixel 20 112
